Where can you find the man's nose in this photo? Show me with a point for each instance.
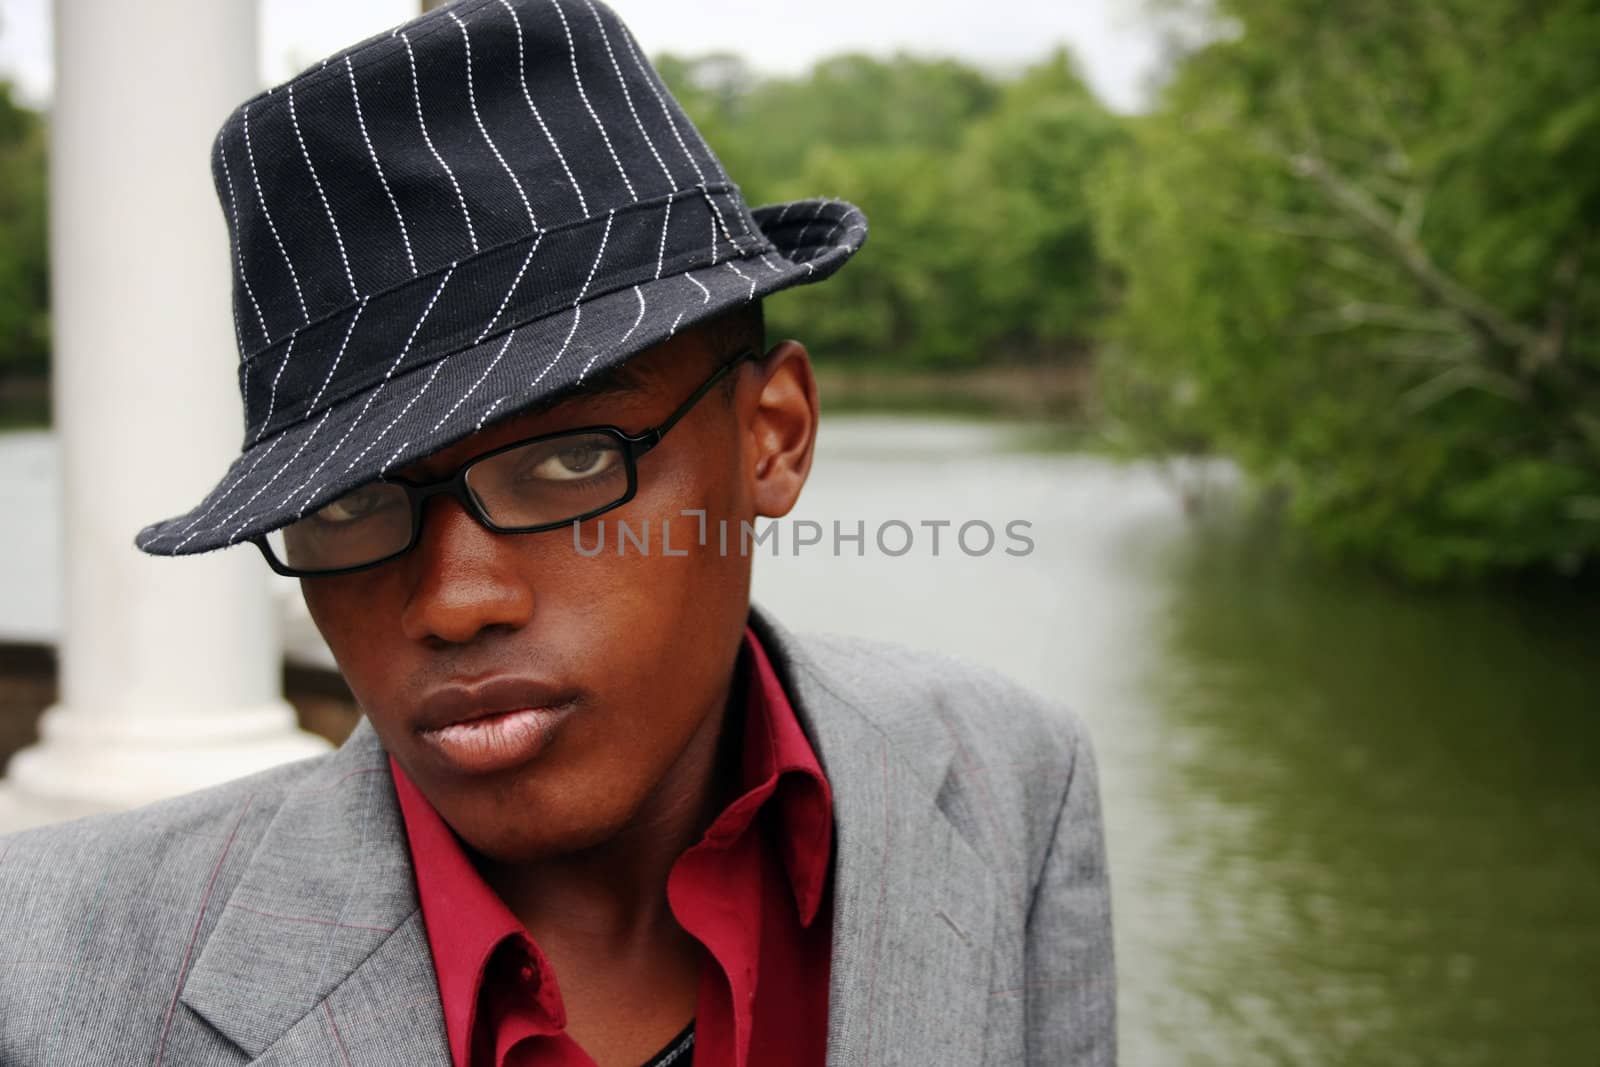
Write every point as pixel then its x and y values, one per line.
pixel 464 580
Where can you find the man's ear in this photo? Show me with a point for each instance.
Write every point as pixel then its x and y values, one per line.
pixel 780 419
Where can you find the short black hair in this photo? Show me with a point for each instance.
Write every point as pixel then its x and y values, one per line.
pixel 726 336
pixel 734 331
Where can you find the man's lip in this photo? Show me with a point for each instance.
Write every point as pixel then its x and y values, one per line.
pixel 464 702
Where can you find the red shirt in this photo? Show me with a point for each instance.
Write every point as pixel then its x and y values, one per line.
pixel 752 892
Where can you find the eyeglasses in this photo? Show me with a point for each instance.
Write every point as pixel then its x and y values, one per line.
pixel 536 484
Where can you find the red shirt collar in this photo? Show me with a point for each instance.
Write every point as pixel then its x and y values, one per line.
pixel 466 921
pixel 778 761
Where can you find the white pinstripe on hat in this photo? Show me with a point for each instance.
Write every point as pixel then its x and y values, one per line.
pixel 448 223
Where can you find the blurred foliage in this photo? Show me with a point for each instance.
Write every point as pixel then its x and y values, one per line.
pixel 982 246
pixel 24 265
pixel 1357 253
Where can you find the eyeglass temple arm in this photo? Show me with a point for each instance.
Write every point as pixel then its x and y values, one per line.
pixel 650 438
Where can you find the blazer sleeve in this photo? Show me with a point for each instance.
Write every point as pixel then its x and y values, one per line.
pixel 1070 966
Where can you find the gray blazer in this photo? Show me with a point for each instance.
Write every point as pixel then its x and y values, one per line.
pixel 274 920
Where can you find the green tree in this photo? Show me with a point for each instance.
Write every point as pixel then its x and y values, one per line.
pixel 1356 249
pixel 1037 275
pixel 981 248
pixel 24 266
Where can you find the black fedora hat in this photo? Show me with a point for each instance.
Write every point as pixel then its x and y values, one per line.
pixel 442 225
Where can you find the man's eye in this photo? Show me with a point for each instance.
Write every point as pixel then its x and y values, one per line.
pixel 574 462
pixel 352 507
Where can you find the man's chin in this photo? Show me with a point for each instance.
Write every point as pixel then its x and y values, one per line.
pixel 505 843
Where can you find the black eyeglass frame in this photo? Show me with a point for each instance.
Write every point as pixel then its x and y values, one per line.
pixel 455 484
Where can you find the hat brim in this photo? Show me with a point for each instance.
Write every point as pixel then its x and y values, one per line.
pixel 284 477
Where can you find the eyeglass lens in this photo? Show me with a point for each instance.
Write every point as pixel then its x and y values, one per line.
pixel 540 483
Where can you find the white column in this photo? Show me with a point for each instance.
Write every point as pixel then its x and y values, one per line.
pixel 169 667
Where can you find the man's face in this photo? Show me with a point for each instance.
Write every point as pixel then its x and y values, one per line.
pixel 643 643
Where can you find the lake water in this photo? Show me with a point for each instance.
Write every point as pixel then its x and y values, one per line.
pixel 1347 823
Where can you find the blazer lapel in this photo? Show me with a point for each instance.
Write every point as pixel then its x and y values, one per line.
pixel 320 956
pixel 385 1012
pixel 914 905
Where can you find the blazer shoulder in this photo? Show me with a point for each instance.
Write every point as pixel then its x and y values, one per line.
pixel 48 868
pixel 1005 756
pixel 993 719
pixel 101 917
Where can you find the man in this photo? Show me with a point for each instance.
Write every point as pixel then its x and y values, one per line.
pixel 493 293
